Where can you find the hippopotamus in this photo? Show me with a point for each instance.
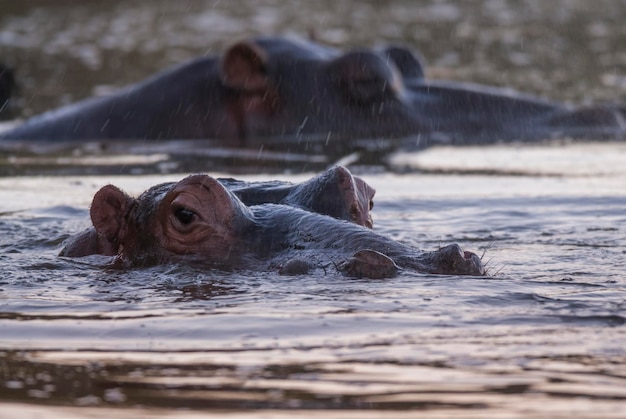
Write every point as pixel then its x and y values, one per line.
pixel 281 92
pixel 199 221
pixel 7 87
pixel 335 193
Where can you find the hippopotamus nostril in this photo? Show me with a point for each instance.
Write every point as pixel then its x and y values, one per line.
pixel 454 260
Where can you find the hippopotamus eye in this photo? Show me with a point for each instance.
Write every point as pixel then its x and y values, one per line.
pixel 184 215
pixel 371 204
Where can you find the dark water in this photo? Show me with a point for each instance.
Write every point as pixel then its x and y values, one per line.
pixel 541 336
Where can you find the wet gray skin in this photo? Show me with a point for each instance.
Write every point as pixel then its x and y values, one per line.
pixel 272 87
pixel 199 221
pixel 334 192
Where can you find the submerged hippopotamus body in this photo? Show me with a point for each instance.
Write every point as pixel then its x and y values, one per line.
pixel 271 90
pixel 198 220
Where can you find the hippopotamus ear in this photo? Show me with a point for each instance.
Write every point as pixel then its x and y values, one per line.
pixel 365 77
pixel 108 211
pixel 243 67
pixel 408 62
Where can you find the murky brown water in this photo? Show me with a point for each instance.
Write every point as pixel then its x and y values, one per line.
pixel 542 336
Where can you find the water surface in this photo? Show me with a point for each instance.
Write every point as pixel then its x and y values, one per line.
pixel 542 335
pixel 546 326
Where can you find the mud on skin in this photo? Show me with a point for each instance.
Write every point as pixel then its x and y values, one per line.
pixel 267 88
pixel 199 221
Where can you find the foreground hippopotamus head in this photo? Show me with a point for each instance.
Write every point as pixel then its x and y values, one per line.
pixel 198 220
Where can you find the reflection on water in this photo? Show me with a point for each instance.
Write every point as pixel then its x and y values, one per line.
pixel 545 328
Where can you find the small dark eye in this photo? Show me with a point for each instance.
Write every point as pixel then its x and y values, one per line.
pixel 371 205
pixel 184 215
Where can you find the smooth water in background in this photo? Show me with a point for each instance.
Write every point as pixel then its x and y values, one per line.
pixel 542 335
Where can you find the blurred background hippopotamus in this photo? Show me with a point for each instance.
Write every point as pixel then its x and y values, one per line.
pixel 199 221
pixel 265 91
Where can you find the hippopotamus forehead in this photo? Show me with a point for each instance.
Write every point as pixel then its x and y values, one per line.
pixel 289 51
pixel 149 201
pixel 156 193
pixel 364 63
pixel 295 49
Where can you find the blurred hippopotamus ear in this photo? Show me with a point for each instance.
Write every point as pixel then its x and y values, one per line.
pixel 365 77
pixel 408 62
pixel 243 67
pixel 108 214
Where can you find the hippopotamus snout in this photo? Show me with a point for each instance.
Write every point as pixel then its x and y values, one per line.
pixel 452 260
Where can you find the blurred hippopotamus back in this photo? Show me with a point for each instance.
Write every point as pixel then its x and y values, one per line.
pixel 274 87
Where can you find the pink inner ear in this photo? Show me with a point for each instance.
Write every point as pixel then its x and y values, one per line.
pixel 108 209
pixel 243 67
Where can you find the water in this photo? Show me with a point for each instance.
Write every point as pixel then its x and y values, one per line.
pixel 542 335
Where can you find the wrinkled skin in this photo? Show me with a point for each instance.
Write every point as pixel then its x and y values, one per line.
pixel 272 90
pixel 199 221
pixel 7 87
pixel 335 193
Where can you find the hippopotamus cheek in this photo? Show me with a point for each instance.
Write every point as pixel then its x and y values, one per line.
pixel 205 245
